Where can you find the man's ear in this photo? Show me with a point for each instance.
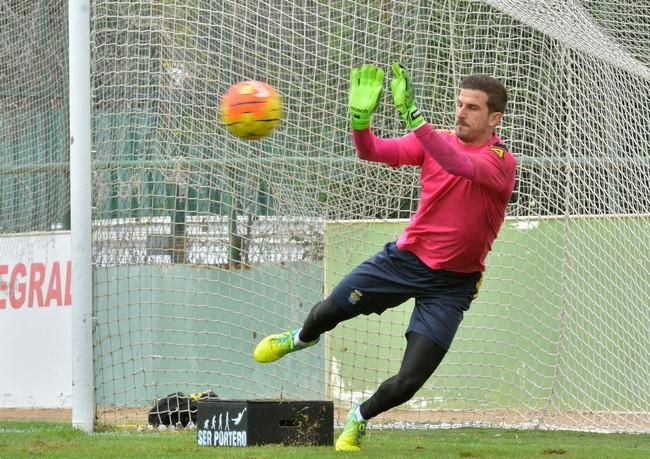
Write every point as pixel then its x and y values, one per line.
pixel 495 119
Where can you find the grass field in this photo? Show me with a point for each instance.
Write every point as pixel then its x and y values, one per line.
pixel 20 439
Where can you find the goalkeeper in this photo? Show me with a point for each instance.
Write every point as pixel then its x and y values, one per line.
pixel 467 176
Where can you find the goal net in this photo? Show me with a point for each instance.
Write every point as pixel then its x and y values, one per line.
pixel 33 118
pixel 204 243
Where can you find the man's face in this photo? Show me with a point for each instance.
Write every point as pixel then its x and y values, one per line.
pixel 474 123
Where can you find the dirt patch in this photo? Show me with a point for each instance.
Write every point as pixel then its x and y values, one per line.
pixel 35 414
pixel 396 418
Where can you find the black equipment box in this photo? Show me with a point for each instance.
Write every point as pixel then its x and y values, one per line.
pixel 258 422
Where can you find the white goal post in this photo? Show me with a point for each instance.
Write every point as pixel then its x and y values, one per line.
pixel 83 396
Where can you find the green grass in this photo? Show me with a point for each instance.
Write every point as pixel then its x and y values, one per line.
pixel 59 440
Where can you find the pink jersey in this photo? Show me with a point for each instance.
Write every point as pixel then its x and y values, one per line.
pixel 462 205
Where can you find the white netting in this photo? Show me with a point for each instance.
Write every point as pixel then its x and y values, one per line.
pixel 33 117
pixel 245 248
pixel 204 243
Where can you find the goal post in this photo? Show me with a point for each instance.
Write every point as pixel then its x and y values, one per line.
pixel 83 387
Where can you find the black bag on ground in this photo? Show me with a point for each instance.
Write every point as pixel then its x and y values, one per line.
pixel 177 409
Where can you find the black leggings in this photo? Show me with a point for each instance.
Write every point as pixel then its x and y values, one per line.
pixel 421 358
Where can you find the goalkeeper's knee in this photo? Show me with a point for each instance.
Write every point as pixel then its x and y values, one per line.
pixel 323 317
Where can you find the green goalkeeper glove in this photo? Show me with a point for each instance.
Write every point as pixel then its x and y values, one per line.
pixel 366 87
pixel 403 97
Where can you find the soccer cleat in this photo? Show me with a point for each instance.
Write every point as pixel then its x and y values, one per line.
pixel 353 432
pixel 274 347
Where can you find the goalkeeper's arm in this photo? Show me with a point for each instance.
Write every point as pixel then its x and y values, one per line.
pixel 454 162
pixel 366 88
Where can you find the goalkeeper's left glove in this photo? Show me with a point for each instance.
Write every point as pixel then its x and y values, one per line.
pixel 404 98
pixel 366 88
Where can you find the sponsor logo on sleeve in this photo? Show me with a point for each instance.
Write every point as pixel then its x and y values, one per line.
pixel 498 151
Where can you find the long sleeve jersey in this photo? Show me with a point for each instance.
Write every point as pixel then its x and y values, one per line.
pixel 464 193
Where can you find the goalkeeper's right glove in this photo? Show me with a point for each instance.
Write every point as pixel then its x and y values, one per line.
pixel 404 98
pixel 366 88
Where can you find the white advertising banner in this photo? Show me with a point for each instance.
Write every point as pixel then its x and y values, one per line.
pixel 35 316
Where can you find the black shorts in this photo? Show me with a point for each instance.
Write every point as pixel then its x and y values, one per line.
pixel 393 276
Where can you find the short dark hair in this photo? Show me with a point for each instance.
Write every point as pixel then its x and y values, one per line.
pixel 496 92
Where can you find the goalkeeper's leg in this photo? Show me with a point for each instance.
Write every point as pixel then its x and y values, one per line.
pixel 379 283
pixel 421 358
pixel 323 317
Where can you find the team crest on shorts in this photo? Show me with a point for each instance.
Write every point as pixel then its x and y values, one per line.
pixel 355 296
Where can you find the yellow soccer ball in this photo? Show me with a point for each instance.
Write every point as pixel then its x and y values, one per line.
pixel 251 109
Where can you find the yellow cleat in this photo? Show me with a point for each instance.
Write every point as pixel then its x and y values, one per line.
pixel 274 347
pixel 353 432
